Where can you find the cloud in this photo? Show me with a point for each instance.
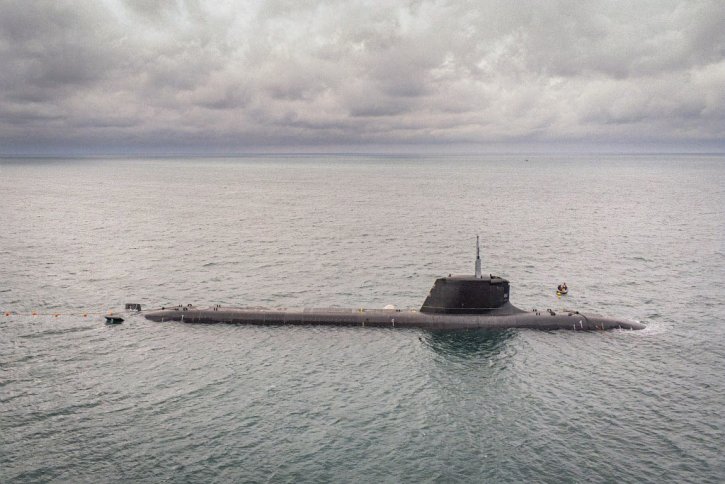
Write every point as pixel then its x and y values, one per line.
pixel 239 75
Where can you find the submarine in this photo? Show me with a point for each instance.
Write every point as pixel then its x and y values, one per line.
pixel 454 303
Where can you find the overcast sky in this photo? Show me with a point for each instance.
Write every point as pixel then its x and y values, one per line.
pixel 109 76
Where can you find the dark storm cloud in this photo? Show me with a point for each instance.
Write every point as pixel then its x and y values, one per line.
pixel 236 75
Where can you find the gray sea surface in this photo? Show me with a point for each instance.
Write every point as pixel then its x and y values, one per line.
pixel 640 237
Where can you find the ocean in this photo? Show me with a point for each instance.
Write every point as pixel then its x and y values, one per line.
pixel 634 236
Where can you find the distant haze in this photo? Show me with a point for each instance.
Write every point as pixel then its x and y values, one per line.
pixel 173 76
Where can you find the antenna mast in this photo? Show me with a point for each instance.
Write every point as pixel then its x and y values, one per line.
pixel 478 260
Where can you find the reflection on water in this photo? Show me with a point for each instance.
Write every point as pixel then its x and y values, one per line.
pixel 476 343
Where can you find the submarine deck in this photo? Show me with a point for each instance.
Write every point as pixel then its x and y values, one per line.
pixel 505 317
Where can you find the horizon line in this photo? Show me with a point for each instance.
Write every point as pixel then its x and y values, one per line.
pixel 347 153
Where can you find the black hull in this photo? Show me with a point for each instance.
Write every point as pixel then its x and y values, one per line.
pixel 499 319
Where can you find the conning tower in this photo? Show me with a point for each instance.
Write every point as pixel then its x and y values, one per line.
pixel 467 294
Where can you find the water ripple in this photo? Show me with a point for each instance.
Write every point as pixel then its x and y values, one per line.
pixel 81 401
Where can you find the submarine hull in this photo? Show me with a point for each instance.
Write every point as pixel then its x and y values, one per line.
pixel 506 317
